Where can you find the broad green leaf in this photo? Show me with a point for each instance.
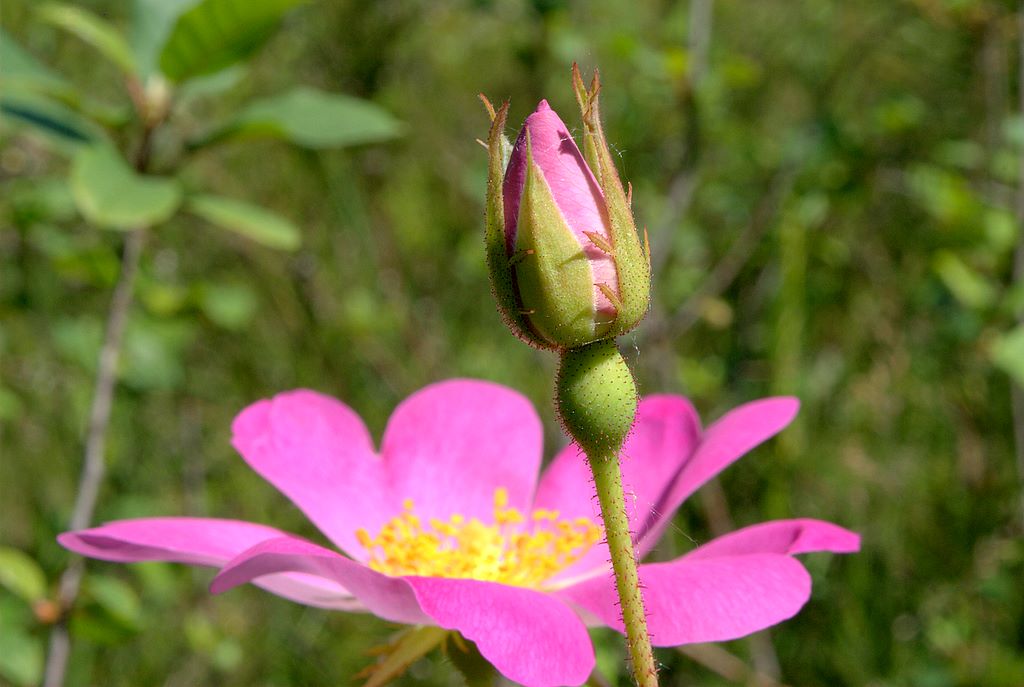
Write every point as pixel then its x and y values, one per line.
pixel 210 85
pixel 214 34
pixel 111 195
pixel 61 126
pixel 1008 354
pixel 94 30
pixel 21 71
pixel 250 221
pixel 22 78
pixel 21 656
pixel 21 575
pixel 313 119
pixel 152 23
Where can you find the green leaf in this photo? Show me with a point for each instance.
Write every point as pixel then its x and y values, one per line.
pixel 152 23
pixel 21 575
pixel 59 124
pixel 1007 353
pixel 211 85
pixel 313 119
pixel 21 656
pixel 250 221
pixel 22 71
pixel 214 34
pixel 94 30
pixel 111 195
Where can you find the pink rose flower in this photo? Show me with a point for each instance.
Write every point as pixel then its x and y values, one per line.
pixel 448 525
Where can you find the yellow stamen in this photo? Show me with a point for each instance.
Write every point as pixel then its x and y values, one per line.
pixel 514 549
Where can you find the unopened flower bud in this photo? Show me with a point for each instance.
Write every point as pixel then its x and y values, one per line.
pixel 564 255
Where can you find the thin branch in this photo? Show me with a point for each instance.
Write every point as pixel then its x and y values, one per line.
pixel 94 462
pixel 94 465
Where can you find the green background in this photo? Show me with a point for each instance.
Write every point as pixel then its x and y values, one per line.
pixel 829 190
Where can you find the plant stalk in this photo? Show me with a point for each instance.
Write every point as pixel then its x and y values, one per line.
pixel 608 480
pixel 94 462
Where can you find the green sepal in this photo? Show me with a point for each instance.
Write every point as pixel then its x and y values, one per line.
pixel 596 397
pixel 404 649
pixel 583 99
pixel 554 277
pixel 499 267
pixel 631 261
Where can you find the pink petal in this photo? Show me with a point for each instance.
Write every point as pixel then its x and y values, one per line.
pixel 317 452
pixel 736 433
pixel 573 186
pixel 781 536
pixel 450 445
pixel 199 541
pixel 390 598
pixel 710 600
pixel 666 430
pixel 530 637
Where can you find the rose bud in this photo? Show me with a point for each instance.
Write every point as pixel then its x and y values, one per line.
pixel 565 259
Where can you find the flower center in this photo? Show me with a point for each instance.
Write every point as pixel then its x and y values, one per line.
pixel 512 550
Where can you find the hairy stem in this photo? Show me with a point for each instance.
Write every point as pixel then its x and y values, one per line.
pixel 608 479
pixel 596 400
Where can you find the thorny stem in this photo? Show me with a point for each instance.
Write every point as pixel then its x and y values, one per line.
pixel 608 480
pixel 93 463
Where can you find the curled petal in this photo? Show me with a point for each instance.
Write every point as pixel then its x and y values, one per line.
pixel 201 541
pixel 781 536
pixel 390 598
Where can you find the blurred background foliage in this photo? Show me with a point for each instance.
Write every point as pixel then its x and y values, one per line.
pixel 830 190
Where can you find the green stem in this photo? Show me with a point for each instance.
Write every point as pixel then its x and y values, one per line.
pixel 608 480
pixel 596 400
